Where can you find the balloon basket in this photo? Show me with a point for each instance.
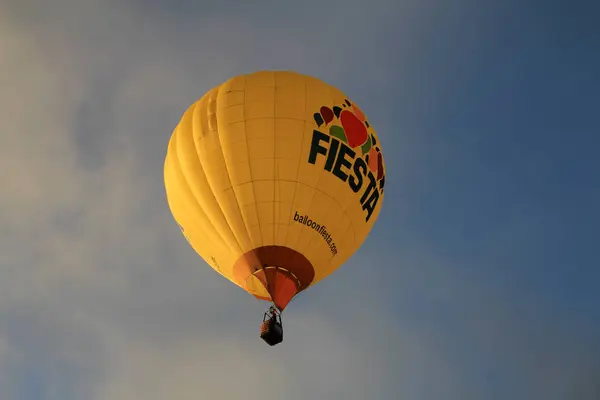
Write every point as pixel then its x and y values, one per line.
pixel 271 332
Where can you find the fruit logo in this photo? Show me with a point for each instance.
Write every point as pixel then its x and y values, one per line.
pixel 349 125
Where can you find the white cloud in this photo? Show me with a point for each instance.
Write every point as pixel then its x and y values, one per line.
pixel 101 297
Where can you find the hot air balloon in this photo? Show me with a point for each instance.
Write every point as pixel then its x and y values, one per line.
pixel 275 178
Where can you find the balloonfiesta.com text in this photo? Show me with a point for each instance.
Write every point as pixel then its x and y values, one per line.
pixel 321 230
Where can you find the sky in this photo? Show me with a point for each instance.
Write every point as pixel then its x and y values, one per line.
pixel 479 281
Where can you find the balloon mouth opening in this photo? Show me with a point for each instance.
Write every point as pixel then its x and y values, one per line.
pixel 276 284
pixel 273 273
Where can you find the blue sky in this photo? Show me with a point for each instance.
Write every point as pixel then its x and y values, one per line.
pixel 479 281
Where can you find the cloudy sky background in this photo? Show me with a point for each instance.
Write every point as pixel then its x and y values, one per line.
pixel 481 281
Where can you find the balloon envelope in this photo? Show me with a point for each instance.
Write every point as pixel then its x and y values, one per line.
pixel 275 179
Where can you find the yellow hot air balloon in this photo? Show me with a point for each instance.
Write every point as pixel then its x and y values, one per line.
pixel 275 179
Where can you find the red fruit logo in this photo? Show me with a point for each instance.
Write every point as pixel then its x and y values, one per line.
pixel 349 125
pixel 356 131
